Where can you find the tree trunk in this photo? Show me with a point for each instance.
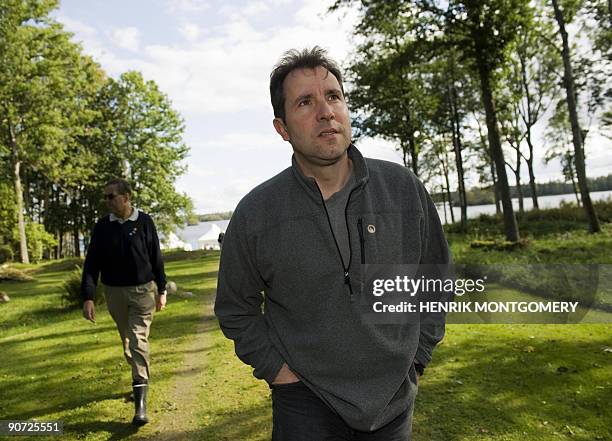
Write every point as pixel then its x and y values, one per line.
pixel 568 80
pixel 576 191
pixel 76 223
pixel 61 244
pixel 510 225
pixel 58 245
pixel 444 205
pixel 572 175
pixel 404 154
pixel 519 191
pixel 519 188
pixel 448 193
pixel 495 189
pixel 414 157
pixel 527 119
pixel 75 242
pixel 457 146
pixel 23 243
pixel 532 181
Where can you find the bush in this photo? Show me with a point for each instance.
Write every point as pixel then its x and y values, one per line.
pixel 39 240
pixel 72 286
pixel 6 253
pixel 499 245
pixel 8 273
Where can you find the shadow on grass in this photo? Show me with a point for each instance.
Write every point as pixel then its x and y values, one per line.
pixel 74 403
pixel 119 430
pixel 16 339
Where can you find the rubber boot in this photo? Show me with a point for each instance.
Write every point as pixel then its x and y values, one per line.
pixel 140 403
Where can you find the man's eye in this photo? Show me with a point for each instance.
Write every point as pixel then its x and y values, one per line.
pixel 303 103
pixel 334 97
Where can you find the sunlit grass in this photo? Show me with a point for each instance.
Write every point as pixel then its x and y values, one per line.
pixel 494 382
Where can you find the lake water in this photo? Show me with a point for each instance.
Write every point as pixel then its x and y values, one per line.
pixel 191 234
pixel 551 201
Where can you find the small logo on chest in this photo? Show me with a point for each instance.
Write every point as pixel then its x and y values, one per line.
pixel 371 228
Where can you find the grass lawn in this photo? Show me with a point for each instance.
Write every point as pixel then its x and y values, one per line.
pixel 494 382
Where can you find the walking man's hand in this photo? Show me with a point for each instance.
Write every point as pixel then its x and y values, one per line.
pixel 160 302
pixel 89 311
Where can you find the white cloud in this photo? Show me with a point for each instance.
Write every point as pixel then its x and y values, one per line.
pixel 126 38
pixel 229 70
pixel 190 31
pixel 78 28
pixel 246 141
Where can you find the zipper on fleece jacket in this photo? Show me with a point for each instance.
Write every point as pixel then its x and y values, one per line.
pixel 345 268
pixel 361 239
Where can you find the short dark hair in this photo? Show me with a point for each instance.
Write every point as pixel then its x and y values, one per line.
pixel 294 59
pixel 123 186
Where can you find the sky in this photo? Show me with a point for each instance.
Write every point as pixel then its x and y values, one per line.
pixel 213 60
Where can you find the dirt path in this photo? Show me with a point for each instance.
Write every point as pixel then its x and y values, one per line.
pixel 178 413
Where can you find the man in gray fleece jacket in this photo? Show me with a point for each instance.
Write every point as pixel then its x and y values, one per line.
pixel 297 244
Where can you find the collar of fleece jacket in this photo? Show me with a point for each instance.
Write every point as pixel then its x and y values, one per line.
pixel 360 171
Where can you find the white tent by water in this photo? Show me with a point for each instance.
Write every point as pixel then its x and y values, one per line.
pixel 173 242
pixel 210 239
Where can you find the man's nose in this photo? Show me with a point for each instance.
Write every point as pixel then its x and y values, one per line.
pixel 325 111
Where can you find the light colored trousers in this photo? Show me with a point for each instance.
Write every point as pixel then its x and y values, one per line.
pixel 132 307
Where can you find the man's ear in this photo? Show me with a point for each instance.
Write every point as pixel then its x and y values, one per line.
pixel 281 129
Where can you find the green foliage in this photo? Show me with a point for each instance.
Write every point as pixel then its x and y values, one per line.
pixel 601 11
pixel 498 245
pixel 6 253
pixel 140 138
pixel 225 215
pixel 607 123
pixel 182 256
pixel 71 297
pixel 67 128
pixel 39 81
pixel 40 241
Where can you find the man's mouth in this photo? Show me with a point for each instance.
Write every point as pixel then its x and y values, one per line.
pixel 328 132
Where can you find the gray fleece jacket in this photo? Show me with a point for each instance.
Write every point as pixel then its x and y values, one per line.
pixel 279 250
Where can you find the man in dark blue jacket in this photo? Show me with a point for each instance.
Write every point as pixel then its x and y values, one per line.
pixel 297 244
pixel 124 248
